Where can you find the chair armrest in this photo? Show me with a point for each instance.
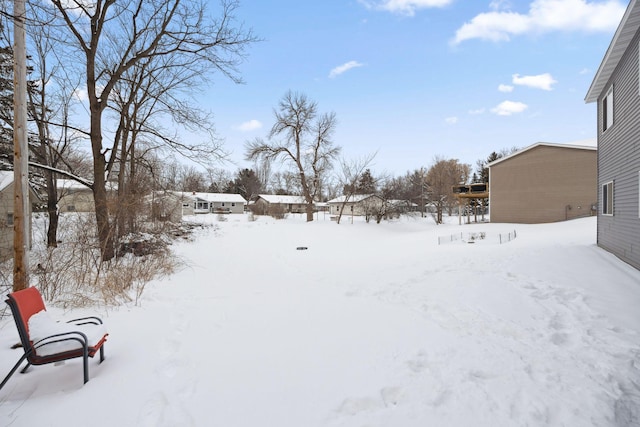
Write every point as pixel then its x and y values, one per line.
pixel 42 344
pixel 90 320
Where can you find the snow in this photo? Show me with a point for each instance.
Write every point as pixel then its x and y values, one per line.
pixel 374 325
pixel 42 326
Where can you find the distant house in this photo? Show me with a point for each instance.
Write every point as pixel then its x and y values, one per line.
pixel 402 206
pixel 357 204
pixel 218 203
pixel 172 205
pixel 6 214
pixel 76 197
pixel 267 203
pixel 616 89
pixel 543 183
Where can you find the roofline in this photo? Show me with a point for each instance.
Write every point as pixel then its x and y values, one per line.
pixel 614 52
pixel 542 144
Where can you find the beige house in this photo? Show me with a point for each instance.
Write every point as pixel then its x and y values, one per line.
pixel 544 183
pixel 76 197
pixel 357 204
pixel 266 204
pixel 6 214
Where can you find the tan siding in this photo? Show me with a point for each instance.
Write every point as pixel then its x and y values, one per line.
pixel 543 184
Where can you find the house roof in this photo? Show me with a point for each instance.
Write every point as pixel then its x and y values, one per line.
pixel 545 144
pixel 622 38
pixel 6 178
pixel 210 197
pixel 283 199
pixel 354 198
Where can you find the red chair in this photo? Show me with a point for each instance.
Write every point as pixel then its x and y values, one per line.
pixel 69 341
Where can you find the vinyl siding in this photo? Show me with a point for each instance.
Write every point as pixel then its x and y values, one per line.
pixel 619 161
pixel 543 184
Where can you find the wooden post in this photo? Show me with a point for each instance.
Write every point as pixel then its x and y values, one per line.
pixel 21 218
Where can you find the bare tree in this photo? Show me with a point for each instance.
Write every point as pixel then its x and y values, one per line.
pixel 441 178
pixel 306 144
pixel 352 172
pixel 111 38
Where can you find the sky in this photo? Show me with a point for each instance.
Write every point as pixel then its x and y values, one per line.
pixel 372 325
pixel 412 80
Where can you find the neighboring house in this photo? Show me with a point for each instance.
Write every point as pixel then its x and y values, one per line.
pixel 616 89
pixel 6 214
pixel 357 204
pixel 218 202
pixel 76 197
pixel 267 203
pixel 172 205
pixel 543 183
pixel 402 206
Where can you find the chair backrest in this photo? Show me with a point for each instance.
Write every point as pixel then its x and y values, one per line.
pixel 24 304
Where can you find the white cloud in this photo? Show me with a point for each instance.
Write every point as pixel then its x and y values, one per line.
pixel 585 71
pixel 404 7
pixel 541 81
pixel 543 16
pixel 344 68
pixel 249 126
pixel 476 112
pixel 451 120
pixel 81 94
pixel 505 88
pixel 507 108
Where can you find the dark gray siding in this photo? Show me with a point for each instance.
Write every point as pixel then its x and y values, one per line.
pixel 619 161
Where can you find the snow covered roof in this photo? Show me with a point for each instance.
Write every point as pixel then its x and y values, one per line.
pixel 6 178
pixel 548 144
pixel 354 198
pixel 212 197
pixel 282 199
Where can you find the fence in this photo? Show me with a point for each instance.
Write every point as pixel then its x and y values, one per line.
pixel 476 238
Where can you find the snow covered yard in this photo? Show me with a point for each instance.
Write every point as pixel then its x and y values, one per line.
pixel 373 325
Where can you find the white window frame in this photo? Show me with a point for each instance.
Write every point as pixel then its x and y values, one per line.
pixel 608 190
pixel 607 110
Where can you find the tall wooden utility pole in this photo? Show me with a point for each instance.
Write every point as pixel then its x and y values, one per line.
pixel 21 218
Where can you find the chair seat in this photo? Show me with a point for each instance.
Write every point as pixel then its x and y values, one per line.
pixel 42 325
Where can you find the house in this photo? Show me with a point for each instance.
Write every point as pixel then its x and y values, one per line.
pixel 357 204
pixel 6 214
pixel 616 90
pixel 543 183
pixel 76 197
pixel 172 205
pixel 218 203
pixel 266 204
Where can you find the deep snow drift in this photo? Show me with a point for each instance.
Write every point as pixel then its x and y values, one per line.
pixel 373 325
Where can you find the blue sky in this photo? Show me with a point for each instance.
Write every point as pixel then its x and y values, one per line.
pixel 416 79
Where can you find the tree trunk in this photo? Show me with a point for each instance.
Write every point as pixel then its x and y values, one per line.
pixel 105 235
pixel 52 210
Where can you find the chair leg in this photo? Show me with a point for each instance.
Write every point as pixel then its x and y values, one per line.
pixel 85 364
pixel 24 370
pixel 102 353
pixel 13 370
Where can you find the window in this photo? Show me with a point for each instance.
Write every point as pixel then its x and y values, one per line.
pixel 607 110
pixel 9 218
pixel 233 204
pixel 607 198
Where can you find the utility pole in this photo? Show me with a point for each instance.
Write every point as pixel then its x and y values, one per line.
pixel 21 217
